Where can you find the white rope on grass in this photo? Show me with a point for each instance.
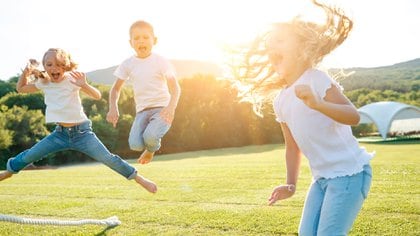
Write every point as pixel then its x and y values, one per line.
pixel 110 222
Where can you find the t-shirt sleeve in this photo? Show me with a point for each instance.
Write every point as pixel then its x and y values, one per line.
pixel 279 118
pixel 122 71
pixel 167 68
pixel 277 112
pixel 322 82
pixel 39 84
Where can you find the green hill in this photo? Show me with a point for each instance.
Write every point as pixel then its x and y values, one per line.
pixel 401 77
pixel 184 69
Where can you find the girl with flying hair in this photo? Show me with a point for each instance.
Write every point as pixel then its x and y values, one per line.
pixel 315 117
pixel 61 84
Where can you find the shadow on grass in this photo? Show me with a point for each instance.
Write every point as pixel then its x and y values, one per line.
pixel 218 152
pixel 104 232
pixel 391 141
pixel 255 149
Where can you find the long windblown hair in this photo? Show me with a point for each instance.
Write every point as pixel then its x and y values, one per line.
pixel 256 79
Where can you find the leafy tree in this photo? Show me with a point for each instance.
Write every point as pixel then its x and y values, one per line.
pixel 209 115
pixel 20 129
pixel 6 135
pixel 92 107
pixel 14 79
pixel 6 88
pixel 28 126
pixel 105 132
pixel 123 128
pixel 33 101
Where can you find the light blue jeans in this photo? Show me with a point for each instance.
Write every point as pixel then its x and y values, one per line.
pixel 80 138
pixel 332 205
pixel 147 130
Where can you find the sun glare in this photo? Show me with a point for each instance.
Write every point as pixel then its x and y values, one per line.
pixel 228 23
pixel 202 30
pixel 240 24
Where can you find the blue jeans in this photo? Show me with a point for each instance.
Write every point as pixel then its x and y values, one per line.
pixel 147 130
pixel 332 205
pixel 80 138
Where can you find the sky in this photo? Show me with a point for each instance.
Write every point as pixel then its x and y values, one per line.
pixel 95 32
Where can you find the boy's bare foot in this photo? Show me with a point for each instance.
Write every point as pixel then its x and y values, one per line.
pixel 145 157
pixel 147 184
pixel 4 175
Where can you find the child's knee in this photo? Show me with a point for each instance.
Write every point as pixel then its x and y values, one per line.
pixel 135 145
pixel 151 142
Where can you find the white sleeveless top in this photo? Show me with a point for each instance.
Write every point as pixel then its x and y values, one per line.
pixel 330 147
pixel 63 101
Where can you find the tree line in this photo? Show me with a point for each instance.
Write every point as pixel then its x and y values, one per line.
pixel 209 115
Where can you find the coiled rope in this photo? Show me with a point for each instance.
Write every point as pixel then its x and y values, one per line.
pixel 110 222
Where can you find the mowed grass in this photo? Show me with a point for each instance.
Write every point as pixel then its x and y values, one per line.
pixel 214 192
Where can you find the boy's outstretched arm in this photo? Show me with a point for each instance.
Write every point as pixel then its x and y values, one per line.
pixel 168 112
pixel 114 96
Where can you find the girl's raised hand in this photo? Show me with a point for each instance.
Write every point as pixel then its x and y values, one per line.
pixel 281 192
pixel 78 78
pixel 306 94
pixel 30 66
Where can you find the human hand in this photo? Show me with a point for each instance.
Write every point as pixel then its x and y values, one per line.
pixel 167 114
pixel 112 117
pixel 31 66
pixel 281 192
pixel 78 78
pixel 308 96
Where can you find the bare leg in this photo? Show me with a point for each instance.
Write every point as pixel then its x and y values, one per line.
pixel 145 157
pixel 147 184
pixel 4 175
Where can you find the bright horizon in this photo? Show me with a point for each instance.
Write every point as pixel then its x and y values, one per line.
pixel 96 32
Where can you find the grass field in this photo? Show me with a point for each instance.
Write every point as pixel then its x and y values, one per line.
pixel 215 192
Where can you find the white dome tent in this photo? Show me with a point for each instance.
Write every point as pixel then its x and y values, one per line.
pixel 382 114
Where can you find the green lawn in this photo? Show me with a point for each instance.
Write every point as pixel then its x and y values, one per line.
pixel 215 192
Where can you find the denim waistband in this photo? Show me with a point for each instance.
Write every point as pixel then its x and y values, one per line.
pixel 150 108
pixel 82 126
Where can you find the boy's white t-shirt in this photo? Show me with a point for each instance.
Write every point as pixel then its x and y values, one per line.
pixel 330 147
pixel 62 100
pixel 148 78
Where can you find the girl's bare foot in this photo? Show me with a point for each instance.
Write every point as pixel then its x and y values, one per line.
pixel 147 184
pixel 145 157
pixel 4 175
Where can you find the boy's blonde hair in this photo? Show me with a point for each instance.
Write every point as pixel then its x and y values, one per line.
pixel 256 79
pixel 141 24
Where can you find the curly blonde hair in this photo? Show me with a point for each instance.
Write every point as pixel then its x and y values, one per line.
pixel 257 81
pixel 63 58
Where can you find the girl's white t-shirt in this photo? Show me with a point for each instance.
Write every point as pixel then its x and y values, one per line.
pixel 148 79
pixel 62 100
pixel 330 147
